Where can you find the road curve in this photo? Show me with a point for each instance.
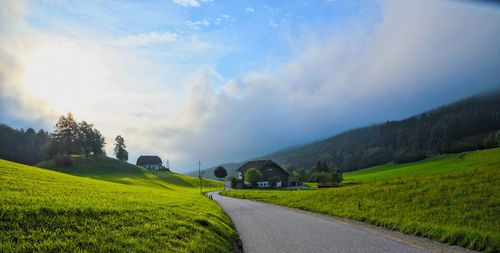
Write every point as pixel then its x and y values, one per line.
pixel 267 228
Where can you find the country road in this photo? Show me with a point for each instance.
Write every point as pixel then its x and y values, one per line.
pixel 268 228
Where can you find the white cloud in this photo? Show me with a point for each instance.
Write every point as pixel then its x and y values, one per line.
pixel 197 24
pixel 221 18
pixel 250 9
pixel 146 39
pixel 16 41
pixel 187 3
pixel 191 3
pixel 272 24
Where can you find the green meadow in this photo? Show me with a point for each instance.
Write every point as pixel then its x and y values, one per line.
pixel 102 204
pixel 433 165
pixel 429 198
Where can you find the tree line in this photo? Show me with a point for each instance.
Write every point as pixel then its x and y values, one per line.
pixel 320 173
pixel 466 125
pixel 69 137
pixel 23 146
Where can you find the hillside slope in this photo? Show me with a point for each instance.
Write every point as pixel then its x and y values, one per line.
pixel 460 207
pixel 209 173
pixel 113 170
pixel 438 164
pixel 43 210
pixel 467 125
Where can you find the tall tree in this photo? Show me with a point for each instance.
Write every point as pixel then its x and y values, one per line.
pixel 120 152
pixel 65 136
pixel 220 172
pixel 97 143
pixel 90 139
pixel 253 176
pixel 85 132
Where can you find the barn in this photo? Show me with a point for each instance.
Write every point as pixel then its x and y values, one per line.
pixel 268 169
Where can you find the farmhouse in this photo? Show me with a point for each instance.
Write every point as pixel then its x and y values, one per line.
pixel 268 169
pixel 151 162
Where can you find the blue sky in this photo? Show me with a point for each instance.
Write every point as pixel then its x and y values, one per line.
pixel 223 81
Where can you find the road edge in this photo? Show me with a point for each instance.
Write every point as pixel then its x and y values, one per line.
pixel 416 241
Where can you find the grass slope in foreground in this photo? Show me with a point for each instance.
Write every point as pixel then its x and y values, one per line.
pixel 43 210
pixel 460 208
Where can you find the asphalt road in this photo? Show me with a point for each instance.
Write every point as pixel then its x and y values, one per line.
pixel 267 228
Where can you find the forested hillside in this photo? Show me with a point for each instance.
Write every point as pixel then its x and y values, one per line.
pixel 469 124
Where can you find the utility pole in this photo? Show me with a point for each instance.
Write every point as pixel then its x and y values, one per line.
pixel 201 178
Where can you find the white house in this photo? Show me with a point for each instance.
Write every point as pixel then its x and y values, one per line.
pixel 151 162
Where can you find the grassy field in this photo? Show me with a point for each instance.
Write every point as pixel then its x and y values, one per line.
pixel 112 170
pixel 433 165
pixel 461 207
pixel 115 207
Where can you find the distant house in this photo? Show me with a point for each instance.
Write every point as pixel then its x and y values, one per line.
pixel 151 162
pixel 268 168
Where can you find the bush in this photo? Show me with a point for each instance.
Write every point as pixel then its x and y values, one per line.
pixel 319 177
pixel 236 183
pixel 273 181
pixel 62 161
pixel 336 176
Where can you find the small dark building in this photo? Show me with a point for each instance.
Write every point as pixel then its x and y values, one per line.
pixel 151 162
pixel 268 169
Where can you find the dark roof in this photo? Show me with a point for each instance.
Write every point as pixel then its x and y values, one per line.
pixel 258 164
pixel 148 159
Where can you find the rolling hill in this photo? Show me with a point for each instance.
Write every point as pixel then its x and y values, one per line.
pixel 102 204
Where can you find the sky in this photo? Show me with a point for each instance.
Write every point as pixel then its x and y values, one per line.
pixel 224 81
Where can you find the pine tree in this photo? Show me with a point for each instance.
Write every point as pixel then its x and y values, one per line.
pixel 120 152
pixel 65 136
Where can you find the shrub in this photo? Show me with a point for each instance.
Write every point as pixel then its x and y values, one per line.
pixel 236 182
pixel 62 161
pixel 273 181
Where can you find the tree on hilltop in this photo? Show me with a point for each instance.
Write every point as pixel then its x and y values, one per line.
pixel 65 136
pixel 90 139
pixel 119 150
pixel 97 142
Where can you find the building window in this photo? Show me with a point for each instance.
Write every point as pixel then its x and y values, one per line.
pixel 269 169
